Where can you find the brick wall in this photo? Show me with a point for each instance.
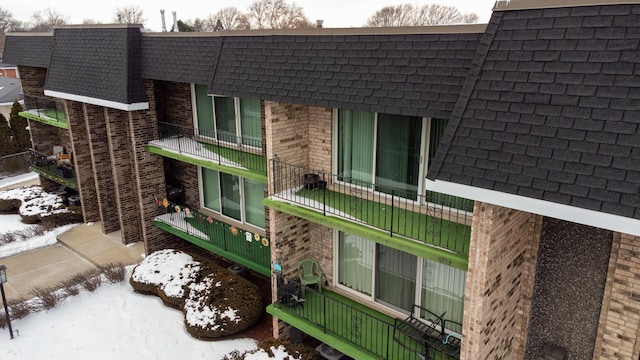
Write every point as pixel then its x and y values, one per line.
pixel 502 260
pixel 287 132
pixel 321 249
pixel 320 127
pixel 186 175
pixel 101 168
pixel 83 163
pixel 174 104
pixel 32 80
pixel 619 326
pixel 121 154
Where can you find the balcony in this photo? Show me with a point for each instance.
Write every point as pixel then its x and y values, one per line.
pixel 240 246
pixel 230 154
pixel 53 169
pixel 437 220
pixel 44 110
pixel 352 328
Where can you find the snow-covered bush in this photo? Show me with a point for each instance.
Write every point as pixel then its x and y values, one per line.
pixel 215 302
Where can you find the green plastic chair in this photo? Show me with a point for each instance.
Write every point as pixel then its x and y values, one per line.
pixel 310 273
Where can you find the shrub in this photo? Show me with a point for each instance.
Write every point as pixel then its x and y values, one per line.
pixel 114 272
pixel 298 351
pixel 19 308
pixel 47 297
pixel 71 286
pixel 234 355
pixel 90 279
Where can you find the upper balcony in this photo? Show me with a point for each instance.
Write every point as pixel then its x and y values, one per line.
pixel 230 154
pixel 58 168
pixel 44 110
pixel 441 222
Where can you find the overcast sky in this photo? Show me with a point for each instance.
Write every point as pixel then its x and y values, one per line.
pixel 335 13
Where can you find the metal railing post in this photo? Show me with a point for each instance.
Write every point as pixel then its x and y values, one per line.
pixel 324 196
pixel 392 207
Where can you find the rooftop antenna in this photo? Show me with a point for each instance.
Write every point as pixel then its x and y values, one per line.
pixel 164 26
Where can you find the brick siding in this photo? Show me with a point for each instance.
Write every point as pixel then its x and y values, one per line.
pixel 620 315
pixel 502 260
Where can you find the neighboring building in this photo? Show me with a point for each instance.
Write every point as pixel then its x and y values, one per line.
pixel 489 173
pixel 8 70
pixel 10 91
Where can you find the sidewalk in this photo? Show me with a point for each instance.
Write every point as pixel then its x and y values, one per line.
pixel 80 249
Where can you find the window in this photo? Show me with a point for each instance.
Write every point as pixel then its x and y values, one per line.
pixel 398 279
pixel 228 119
pixel 384 151
pixel 233 197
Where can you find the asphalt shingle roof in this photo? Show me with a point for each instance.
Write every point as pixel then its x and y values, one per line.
pixel 28 50
pixel 552 110
pixel 408 74
pixel 101 63
pixel 180 58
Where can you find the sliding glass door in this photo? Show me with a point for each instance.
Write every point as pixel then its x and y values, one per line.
pixel 398 279
pixel 380 150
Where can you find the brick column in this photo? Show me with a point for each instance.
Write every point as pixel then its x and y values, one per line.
pixel 82 160
pixel 102 175
pixel 148 172
pixel 620 315
pixel 502 260
pixel 122 165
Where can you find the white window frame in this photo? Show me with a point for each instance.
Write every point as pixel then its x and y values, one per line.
pixel 372 298
pixel 243 215
pixel 423 162
pixel 238 120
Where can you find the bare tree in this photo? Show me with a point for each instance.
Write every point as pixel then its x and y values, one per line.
pixel 129 15
pixel 276 14
pixel 230 19
pixel 414 15
pixel 47 19
pixel 7 22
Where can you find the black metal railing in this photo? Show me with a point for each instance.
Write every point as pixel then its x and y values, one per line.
pixel 369 331
pixel 43 107
pixel 252 247
pixel 436 219
pixel 53 169
pixel 221 148
pixel 14 164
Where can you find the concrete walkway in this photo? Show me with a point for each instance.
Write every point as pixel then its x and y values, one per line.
pixel 80 249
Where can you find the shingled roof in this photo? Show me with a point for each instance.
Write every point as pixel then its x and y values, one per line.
pixel 28 49
pixel 181 57
pixel 100 65
pixel 412 71
pixel 551 112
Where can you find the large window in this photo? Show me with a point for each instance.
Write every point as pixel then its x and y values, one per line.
pixel 398 279
pixel 228 119
pixel 385 151
pixel 233 196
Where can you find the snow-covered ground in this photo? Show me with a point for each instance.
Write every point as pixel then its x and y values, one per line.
pixel 112 322
pixel 20 179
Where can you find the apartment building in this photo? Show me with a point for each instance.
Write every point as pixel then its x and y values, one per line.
pixel 481 180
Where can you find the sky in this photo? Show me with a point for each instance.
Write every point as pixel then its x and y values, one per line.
pixel 112 322
pixel 334 13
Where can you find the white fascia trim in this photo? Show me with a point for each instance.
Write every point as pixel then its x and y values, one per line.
pixel 99 102
pixel 546 208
